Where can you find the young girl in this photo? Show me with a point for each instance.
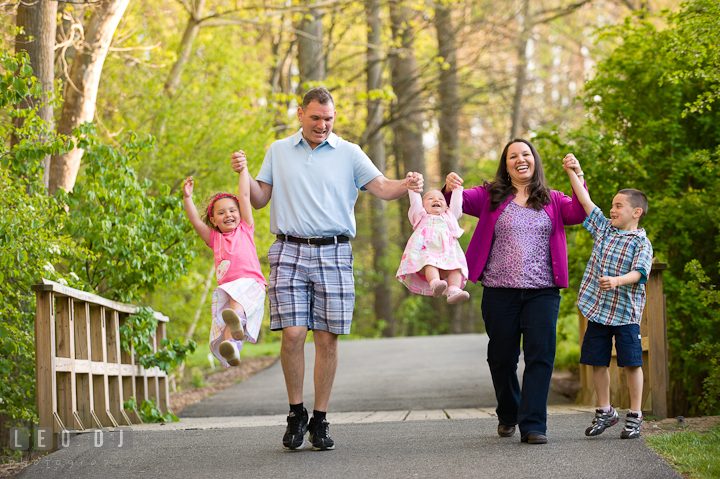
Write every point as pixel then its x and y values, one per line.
pixel 433 258
pixel 238 302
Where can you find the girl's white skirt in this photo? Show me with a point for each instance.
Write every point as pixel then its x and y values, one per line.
pixel 251 296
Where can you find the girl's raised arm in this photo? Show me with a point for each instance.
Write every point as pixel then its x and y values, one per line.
pixel 244 194
pixel 192 213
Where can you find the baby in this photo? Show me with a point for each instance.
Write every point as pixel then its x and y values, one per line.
pixel 433 262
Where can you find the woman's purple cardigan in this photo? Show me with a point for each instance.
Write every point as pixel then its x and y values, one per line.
pixel 562 211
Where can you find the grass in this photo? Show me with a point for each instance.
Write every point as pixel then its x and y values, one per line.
pixel 690 453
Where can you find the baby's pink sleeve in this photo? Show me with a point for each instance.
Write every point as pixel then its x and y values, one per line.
pixel 416 207
pixel 456 202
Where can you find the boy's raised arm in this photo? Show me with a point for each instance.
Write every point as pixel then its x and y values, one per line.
pixel 570 164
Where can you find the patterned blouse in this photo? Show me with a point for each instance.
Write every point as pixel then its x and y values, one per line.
pixel 520 254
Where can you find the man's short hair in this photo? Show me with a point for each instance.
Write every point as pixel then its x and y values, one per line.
pixel 320 95
pixel 637 199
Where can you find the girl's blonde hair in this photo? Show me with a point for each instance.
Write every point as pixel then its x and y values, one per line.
pixel 208 204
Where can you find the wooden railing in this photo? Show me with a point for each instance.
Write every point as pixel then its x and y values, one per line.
pixel 83 375
pixel 653 332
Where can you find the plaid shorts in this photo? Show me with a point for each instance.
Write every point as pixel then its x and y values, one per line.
pixel 311 286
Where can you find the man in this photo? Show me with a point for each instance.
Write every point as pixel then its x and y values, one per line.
pixel 313 179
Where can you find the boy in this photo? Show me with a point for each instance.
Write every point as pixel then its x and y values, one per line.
pixel 612 298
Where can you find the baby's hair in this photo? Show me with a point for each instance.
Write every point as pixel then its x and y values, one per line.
pixel 430 190
pixel 210 201
pixel 637 199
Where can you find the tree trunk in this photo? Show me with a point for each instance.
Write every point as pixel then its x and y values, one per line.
pixel 82 87
pixel 448 141
pixel 406 84
pixel 39 20
pixel 376 151
pixel 185 49
pixel 521 75
pixel 311 61
pixel 448 153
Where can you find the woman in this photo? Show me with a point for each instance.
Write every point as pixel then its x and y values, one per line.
pixel 519 253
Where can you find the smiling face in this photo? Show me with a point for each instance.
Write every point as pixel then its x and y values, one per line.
pixel 434 202
pixel 623 216
pixel 317 122
pixel 226 215
pixel 520 163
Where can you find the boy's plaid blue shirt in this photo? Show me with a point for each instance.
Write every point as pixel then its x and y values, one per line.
pixel 614 254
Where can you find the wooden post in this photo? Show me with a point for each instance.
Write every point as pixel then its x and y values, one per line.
pixel 658 356
pixel 45 359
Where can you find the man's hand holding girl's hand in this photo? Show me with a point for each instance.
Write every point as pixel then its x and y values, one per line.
pixel 238 161
pixel 414 182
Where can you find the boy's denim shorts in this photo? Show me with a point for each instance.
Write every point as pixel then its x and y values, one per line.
pixel 597 345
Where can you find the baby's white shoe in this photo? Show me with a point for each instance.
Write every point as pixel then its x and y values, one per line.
pixel 438 287
pixel 457 296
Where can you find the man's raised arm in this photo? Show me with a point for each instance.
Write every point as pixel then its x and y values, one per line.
pixel 393 189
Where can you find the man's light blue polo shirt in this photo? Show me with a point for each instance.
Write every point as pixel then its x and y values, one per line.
pixel 314 191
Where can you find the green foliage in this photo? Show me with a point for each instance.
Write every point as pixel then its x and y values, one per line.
pixel 692 454
pixel 706 351
pixel 29 237
pixel 136 334
pixel 138 239
pixel 115 235
pixel 31 240
pixel 197 378
pixel 567 355
pixel 640 134
pixel 149 411
pixel 695 40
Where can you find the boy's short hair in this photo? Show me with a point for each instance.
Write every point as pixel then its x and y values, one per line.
pixel 637 199
pixel 319 94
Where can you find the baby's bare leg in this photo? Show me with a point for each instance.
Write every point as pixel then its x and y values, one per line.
pixel 431 273
pixel 454 278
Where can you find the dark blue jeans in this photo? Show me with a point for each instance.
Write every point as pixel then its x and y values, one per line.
pixel 532 314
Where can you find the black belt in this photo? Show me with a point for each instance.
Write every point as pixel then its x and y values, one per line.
pixel 316 241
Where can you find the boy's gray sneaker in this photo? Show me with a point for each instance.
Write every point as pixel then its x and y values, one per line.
pixel 320 435
pixel 602 421
pixel 633 426
pixel 294 437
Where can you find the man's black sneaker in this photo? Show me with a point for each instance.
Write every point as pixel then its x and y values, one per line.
pixel 294 437
pixel 320 435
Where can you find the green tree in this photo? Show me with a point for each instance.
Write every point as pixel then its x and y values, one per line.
pixel 640 134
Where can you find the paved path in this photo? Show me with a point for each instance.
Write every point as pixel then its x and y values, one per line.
pixel 405 407
pixel 428 372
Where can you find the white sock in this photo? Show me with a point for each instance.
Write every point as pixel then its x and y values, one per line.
pixel 639 413
pixel 606 409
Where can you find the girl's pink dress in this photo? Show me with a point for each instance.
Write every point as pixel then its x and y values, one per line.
pixel 434 243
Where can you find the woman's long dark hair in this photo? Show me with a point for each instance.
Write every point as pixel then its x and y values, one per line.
pixel 501 187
